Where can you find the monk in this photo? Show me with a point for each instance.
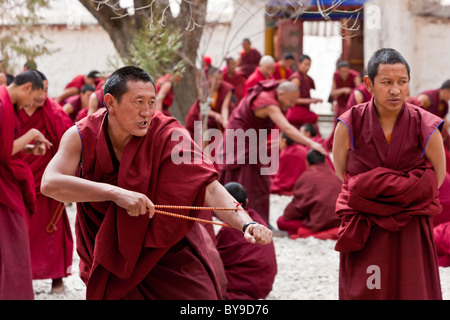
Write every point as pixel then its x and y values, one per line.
pixel 117 165
pixel 436 102
pixel 250 269
pixel 17 197
pixel 292 165
pixel 221 105
pixel 51 241
pixel 75 105
pixel 259 112
pixel 236 78
pixel 301 113
pixel 390 156
pixel 164 90
pixel 74 86
pixel 312 209
pixel 359 95
pixel 283 67
pixel 264 71
pixel 248 58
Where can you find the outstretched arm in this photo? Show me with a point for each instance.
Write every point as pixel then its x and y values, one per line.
pixel 218 196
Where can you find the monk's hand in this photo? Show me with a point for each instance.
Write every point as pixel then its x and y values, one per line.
pixel 39 139
pixel 318 147
pixel 258 233
pixel 134 203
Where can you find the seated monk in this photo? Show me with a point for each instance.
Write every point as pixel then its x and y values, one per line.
pixel 75 105
pixel 250 269
pixel 292 165
pixel 312 210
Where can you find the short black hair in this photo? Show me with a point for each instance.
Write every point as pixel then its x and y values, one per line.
pixel 342 64
pixel 238 192
pixel 94 74
pixel 385 56
pixel 87 87
pixel 446 85
pixel 116 85
pixel 288 56
pixel 289 141
pixel 29 76
pixel 311 128
pixel 30 65
pixel 304 57
pixel 43 77
pixel 314 157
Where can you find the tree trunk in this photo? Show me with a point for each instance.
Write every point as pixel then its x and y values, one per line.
pixel 189 22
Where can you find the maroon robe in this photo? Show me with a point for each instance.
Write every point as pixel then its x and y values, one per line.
pixel 292 165
pixel 314 201
pixel 249 61
pixel 238 81
pixel 247 174
pixel 194 112
pixel 124 257
pixel 17 202
pixel 442 224
pixel 168 99
pixel 75 101
pixel 254 78
pixel 51 245
pixel 301 114
pixel 437 107
pixel 387 203
pixel 342 99
pixel 281 73
pixel 250 268
pixel 366 95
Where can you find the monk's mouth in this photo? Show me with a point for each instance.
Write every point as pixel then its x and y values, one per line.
pixel 143 123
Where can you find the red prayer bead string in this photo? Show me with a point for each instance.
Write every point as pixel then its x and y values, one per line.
pixel 195 208
pixel 192 218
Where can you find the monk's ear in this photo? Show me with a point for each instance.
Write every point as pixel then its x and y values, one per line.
pixel 110 102
pixel 369 84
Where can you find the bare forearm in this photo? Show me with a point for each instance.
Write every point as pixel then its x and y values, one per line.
pixel 218 196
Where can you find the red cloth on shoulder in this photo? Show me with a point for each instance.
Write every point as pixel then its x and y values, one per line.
pixel 129 257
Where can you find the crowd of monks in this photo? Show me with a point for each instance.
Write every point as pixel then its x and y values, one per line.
pixel 251 92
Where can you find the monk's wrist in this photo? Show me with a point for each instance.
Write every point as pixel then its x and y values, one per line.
pixel 246 225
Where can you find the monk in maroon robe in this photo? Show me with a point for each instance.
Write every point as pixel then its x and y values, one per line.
pixel 164 89
pixel 76 104
pixel 292 165
pixel 301 113
pixel 312 209
pixel 248 58
pixel 264 71
pixel 74 86
pixel 436 102
pixel 221 105
pixel 235 78
pixel 283 67
pixel 391 158
pixel 116 164
pixel 250 269
pixel 259 112
pixel 51 241
pixel 17 197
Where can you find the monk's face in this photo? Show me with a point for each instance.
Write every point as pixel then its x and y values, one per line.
pixel 390 87
pixel 304 66
pixel 39 101
pixel 27 95
pixel 133 114
pixel 287 99
pixel 344 72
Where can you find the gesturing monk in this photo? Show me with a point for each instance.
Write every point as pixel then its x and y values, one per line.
pixel 391 158
pixel 117 164
pixel 17 197
pixel 51 243
pixel 258 112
